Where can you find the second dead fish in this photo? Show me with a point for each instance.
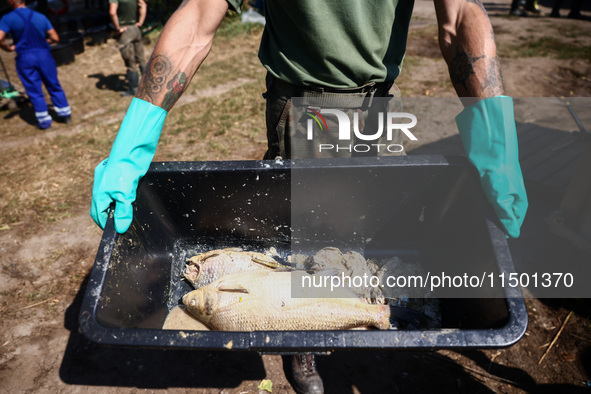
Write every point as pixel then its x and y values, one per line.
pixel 205 268
pixel 262 300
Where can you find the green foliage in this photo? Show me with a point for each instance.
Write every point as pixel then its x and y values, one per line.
pixel 232 26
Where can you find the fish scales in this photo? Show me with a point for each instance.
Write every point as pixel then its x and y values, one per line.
pixel 262 300
pixel 207 267
pixel 306 316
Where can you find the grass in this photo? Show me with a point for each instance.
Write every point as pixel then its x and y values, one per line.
pixel 232 26
pixel 546 47
pixel 47 190
pixel 573 31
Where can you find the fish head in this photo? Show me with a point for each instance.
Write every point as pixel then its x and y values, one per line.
pixel 195 269
pixel 201 303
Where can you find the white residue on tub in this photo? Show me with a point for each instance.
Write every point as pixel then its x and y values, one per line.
pixel 95 292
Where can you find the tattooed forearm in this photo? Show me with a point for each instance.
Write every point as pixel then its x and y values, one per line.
pixel 175 87
pixel 157 72
pixel 493 85
pixel 462 67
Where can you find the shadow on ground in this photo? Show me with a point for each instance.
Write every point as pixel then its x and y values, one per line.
pixel 424 372
pixel 25 111
pixel 91 364
pixel 114 82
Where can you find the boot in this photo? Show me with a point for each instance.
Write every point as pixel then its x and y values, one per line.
pixel 305 377
pixel 134 80
pixel 515 8
pixel 532 6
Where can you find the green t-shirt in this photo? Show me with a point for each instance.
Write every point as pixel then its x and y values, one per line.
pixel 335 43
pixel 126 11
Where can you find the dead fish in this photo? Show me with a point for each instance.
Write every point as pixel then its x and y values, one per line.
pixel 262 300
pixel 205 268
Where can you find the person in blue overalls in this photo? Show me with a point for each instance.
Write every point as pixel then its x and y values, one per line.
pixel 34 63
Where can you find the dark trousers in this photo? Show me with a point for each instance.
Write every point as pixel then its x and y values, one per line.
pixel 286 123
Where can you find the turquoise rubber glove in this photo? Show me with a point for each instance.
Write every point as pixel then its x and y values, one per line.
pixel 489 136
pixel 116 178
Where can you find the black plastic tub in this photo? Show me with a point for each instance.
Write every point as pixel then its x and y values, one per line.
pixel 76 39
pixel 426 207
pixel 63 53
pixel 98 34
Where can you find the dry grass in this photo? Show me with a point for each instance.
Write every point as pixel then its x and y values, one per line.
pixel 551 47
pixel 48 179
pixel 43 182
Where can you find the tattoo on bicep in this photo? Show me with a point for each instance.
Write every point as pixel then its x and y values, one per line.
pixel 462 66
pixel 157 72
pixel 175 87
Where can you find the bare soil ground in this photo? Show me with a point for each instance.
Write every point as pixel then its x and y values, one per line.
pixel 48 241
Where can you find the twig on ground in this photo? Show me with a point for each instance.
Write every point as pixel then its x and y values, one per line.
pixel 544 345
pixel 38 303
pixel 555 337
pixel 581 338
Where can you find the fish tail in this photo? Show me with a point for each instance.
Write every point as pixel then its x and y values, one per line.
pixel 384 314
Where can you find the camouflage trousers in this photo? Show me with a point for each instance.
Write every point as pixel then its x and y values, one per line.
pixel 132 49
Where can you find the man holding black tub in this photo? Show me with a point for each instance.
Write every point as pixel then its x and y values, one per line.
pixel 336 51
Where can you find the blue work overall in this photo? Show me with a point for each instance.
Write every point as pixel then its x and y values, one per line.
pixel 34 64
